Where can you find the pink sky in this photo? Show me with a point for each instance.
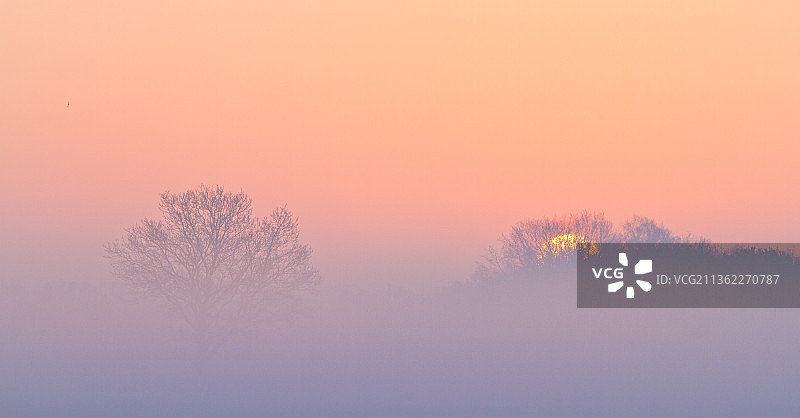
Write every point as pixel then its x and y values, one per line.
pixel 406 136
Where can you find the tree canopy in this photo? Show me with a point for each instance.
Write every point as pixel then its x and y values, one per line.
pixel 548 241
pixel 211 259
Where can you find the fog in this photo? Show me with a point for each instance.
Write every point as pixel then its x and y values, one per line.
pixel 405 137
pixel 513 348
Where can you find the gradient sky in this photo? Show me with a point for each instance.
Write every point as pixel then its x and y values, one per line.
pixel 406 135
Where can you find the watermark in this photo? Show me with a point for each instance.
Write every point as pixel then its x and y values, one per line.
pixel 688 275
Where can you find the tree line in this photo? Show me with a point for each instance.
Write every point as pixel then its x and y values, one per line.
pixel 217 264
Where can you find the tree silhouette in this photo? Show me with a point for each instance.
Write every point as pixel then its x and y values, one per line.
pixel 212 260
pixel 641 229
pixel 537 243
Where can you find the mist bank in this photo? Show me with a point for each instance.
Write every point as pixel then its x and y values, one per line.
pixel 511 348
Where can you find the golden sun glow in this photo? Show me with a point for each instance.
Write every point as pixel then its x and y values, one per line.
pixel 561 245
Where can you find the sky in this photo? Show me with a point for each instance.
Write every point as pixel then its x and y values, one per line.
pixel 407 136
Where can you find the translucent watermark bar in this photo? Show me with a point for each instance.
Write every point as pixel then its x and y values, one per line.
pixel 671 275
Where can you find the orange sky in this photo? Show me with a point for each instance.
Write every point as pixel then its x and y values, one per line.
pixel 406 136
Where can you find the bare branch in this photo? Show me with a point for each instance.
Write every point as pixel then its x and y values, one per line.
pixel 211 259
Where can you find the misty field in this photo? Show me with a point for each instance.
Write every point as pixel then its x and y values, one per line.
pixel 516 349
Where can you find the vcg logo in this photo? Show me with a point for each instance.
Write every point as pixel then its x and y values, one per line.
pixel 642 267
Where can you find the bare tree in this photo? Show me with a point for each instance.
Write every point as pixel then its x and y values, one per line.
pixel 641 229
pixel 537 242
pixel 212 260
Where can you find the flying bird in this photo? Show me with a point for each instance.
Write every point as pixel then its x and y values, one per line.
pixel 67 104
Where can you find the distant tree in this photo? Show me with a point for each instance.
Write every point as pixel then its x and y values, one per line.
pixel 212 260
pixel 640 229
pixel 543 242
pixel 537 242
